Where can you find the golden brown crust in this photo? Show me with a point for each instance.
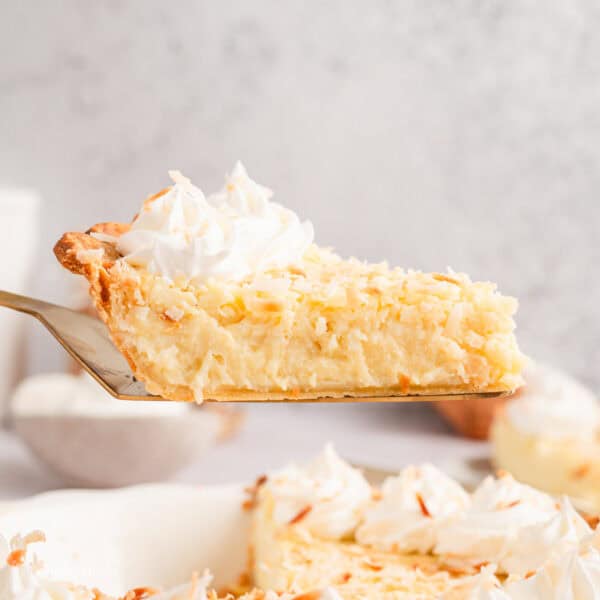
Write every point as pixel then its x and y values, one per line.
pixel 114 229
pixel 85 255
pixel 77 251
pixel 381 394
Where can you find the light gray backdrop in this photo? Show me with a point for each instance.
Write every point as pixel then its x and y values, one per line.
pixel 450 132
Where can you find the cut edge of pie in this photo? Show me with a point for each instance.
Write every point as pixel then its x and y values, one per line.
pixel 288 558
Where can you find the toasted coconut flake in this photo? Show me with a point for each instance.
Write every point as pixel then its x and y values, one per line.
pixel 345 577
pixel 140 593
pixel 301 515
pixel 376 494
pixel 444 277
pixel 150 199
pixel 252 492
pixel 35 536
pixel 371 565
pixel 173 314
pixel 16 558
pixel 423 506
pixel 581 471
pixel 296 270
pixel 507 505
pixel 271 306
pixel 592 520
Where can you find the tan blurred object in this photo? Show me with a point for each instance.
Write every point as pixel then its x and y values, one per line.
pixel 232 419
pixel 471 418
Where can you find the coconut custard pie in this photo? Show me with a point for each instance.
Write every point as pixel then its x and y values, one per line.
pixel 227 296
pixel 421 536
pixel 321 532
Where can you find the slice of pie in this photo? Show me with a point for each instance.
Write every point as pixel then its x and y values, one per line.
pixel 227 297
pixel 421 536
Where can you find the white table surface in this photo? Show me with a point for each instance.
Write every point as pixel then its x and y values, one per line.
pixel 381 435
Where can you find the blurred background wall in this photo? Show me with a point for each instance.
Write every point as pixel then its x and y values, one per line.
pixel 451 132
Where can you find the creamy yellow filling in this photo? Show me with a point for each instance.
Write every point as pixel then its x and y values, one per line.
pixel 324 324
pixel 287 558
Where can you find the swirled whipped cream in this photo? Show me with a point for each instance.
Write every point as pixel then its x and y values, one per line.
pixel 554 405
pixel 482 586
pixel 573 575
pixel 511 525
pixel 413 507
pixel 326 498
pixel 228 235
pixel 21 574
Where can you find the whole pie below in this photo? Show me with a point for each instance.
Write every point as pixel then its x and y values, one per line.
pixel 227 297
pixel 321 532
pixel 419 536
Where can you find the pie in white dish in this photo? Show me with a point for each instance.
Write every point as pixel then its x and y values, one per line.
pixel 420 537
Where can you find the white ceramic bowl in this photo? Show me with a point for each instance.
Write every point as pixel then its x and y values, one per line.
pixel 92 440
pixel 152 535
pixel 89 452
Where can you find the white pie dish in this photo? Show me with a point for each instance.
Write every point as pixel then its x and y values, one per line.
pixel 150 535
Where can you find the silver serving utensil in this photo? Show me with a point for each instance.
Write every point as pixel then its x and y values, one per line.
pixel 87 340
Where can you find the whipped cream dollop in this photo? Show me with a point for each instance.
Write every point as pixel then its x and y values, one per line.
pixel 555 405
pixel 414 506
pixel 511 525
pixel 22 577
pixel 327 497
pixel 234 233
pixel 573 575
